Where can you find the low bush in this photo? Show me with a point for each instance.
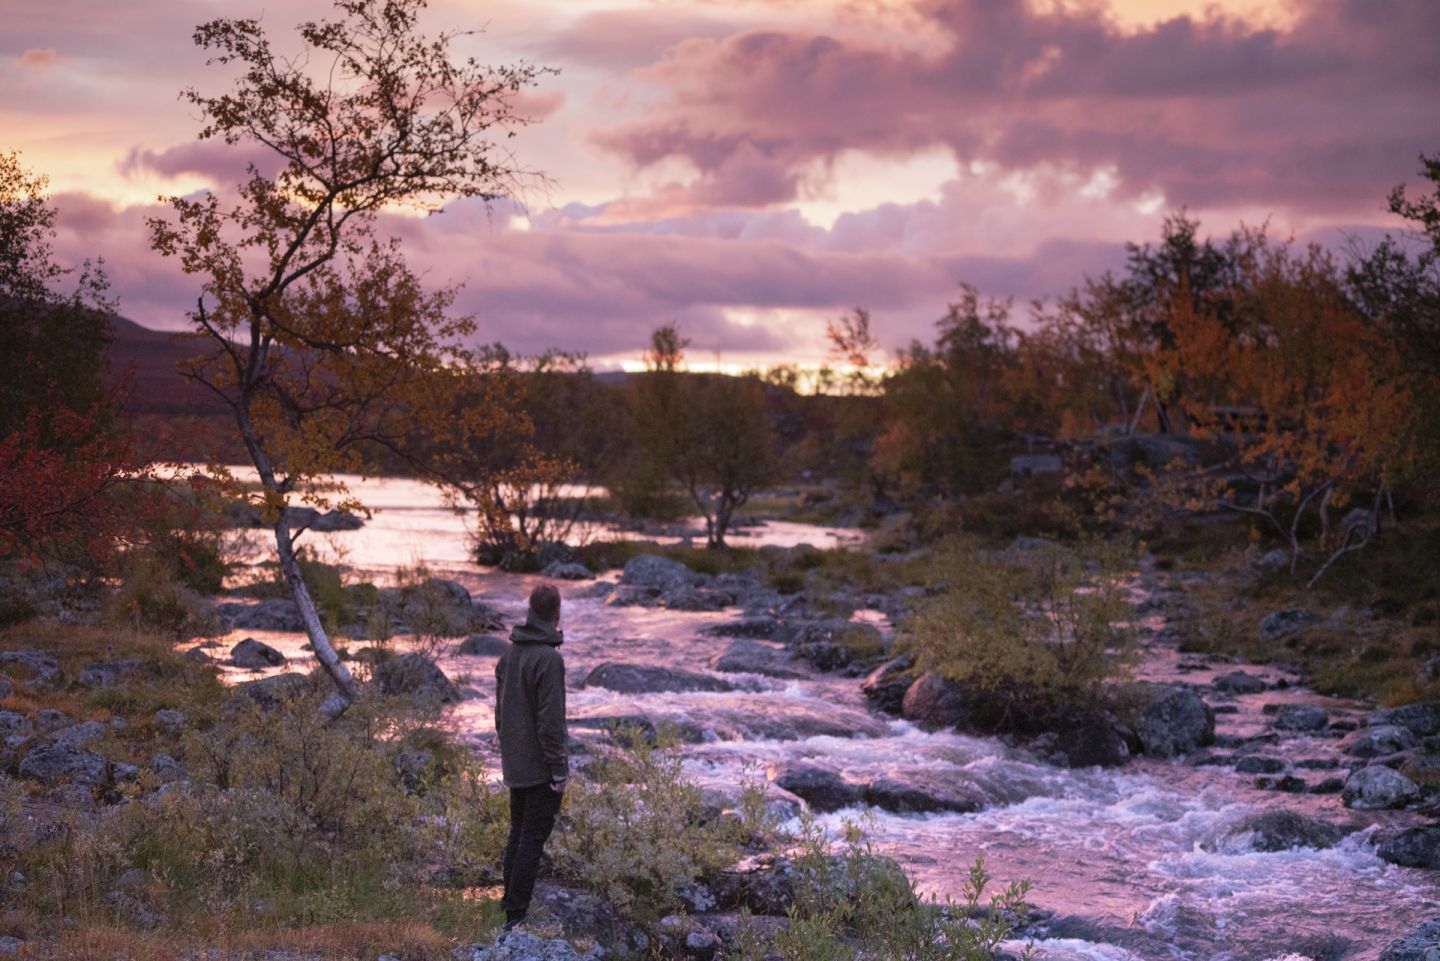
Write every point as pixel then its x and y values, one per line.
pixel 1039 632
pixel 150 598
pixel 850 904
pixel 638 833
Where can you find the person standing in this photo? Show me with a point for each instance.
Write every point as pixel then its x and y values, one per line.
pixel 530 723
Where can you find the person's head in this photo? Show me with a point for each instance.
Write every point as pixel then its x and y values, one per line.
pixel 545 602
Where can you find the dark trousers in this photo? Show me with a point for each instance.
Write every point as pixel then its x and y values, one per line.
pixel 532 816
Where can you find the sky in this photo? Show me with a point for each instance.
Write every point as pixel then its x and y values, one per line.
pixel 749 169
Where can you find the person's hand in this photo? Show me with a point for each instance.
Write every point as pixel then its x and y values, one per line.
pixel 558 786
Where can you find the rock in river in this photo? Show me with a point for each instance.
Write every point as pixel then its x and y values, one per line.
pixel 1422 944
pixel 745 656
pixel 1171 720
pixel 935 702
pixel 885 686
pixel 1301 717
pixel 1418 847
pixel 654 571
pixel 1238 682
pixel 1377 787
pixel 1271 831
pixel 417 677
pixel 647 679
pixel 255 655
pixel 822 789
pixel 1378 741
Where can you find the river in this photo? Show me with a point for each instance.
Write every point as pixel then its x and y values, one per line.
pixel 1140 862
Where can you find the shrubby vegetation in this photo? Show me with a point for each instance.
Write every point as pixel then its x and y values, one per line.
pixel 1034 630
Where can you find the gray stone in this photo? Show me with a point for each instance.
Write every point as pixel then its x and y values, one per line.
pixel 1271 831
pixel 920 794
pixel 13 722
pixel 822 789
pixel 38 669
pixel 1301 717
pixel 754 628
pixel 48 720
pixel 685 597
pixel 1422 720
pixel 885 686
pixel 255 655
pixel 1422 944
pixel 272 614
pixel 170 721
pixel 1378 741
pixel 78 735
pixel 1377 788
pixel 56 759
pixel 1238 682
pixel 1171 720
pixel 102 674
pixel 1417 847
pixel 1282 624
pixel 124 773
pixel 167 769
pixel 7 687
pixel 1035 465
pixel 646 679
pixel 273 693
pixel 832 645
pixel 482 645
pixel 1273 560
pixel 654 571
pixel 567 571
pixel 935 702
pixel 332 521
pixel 9 945
pixel 1259 764
pixel 744 656
pixel 685 937
pixel 417 677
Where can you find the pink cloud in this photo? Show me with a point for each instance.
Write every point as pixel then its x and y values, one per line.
pixel 1208 111
pixel 39 58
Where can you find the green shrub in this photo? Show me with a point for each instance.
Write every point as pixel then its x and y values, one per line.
pixel 638 834
pixel 150 598
pixel 850 903
pixel 1035 630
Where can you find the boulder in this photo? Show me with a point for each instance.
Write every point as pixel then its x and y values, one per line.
pixel 101 674
pixel 646 679
pixel 629 595
pixel 1171 720
pixel 522 945
pixel 255 655
pixel 417 677
pixel 1421 720
pixel 885 686
pixel 659 573
pixel 832 645
pixel 30 668
pixel 1238 682
pixel 272 614
pixel 1301 717
pixel 1271 831
pixel 56 759
pixel 754 628
pixel 482 645
pixel 13 722
pixel 331 522
pixel 1282 624
pixel 684 937
pixel 77 735
pixel 167 769
pixel 1089 740
pixel 1422 944
pixel 567 571
pixel 1378 741
pixel 1377 788
pixel 170 721
pixel 765 884
pixel 686 597
pixel 273 693
pixel 7 687
pixel 1417 847
pixel 1156 450
pixel 920 794
pixel 1259 764
pixel 49 720
pixel 935 702
pixel 755 657
pixel 822 789
pixel 435 606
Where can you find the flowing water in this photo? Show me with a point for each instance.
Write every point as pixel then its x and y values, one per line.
pixel 1140 862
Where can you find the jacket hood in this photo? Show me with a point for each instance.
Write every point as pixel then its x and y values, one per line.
pixel 537 631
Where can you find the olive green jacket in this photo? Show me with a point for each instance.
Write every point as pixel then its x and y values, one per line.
pixel 530 706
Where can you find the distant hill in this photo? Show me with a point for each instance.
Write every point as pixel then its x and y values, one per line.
pixel 146 359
